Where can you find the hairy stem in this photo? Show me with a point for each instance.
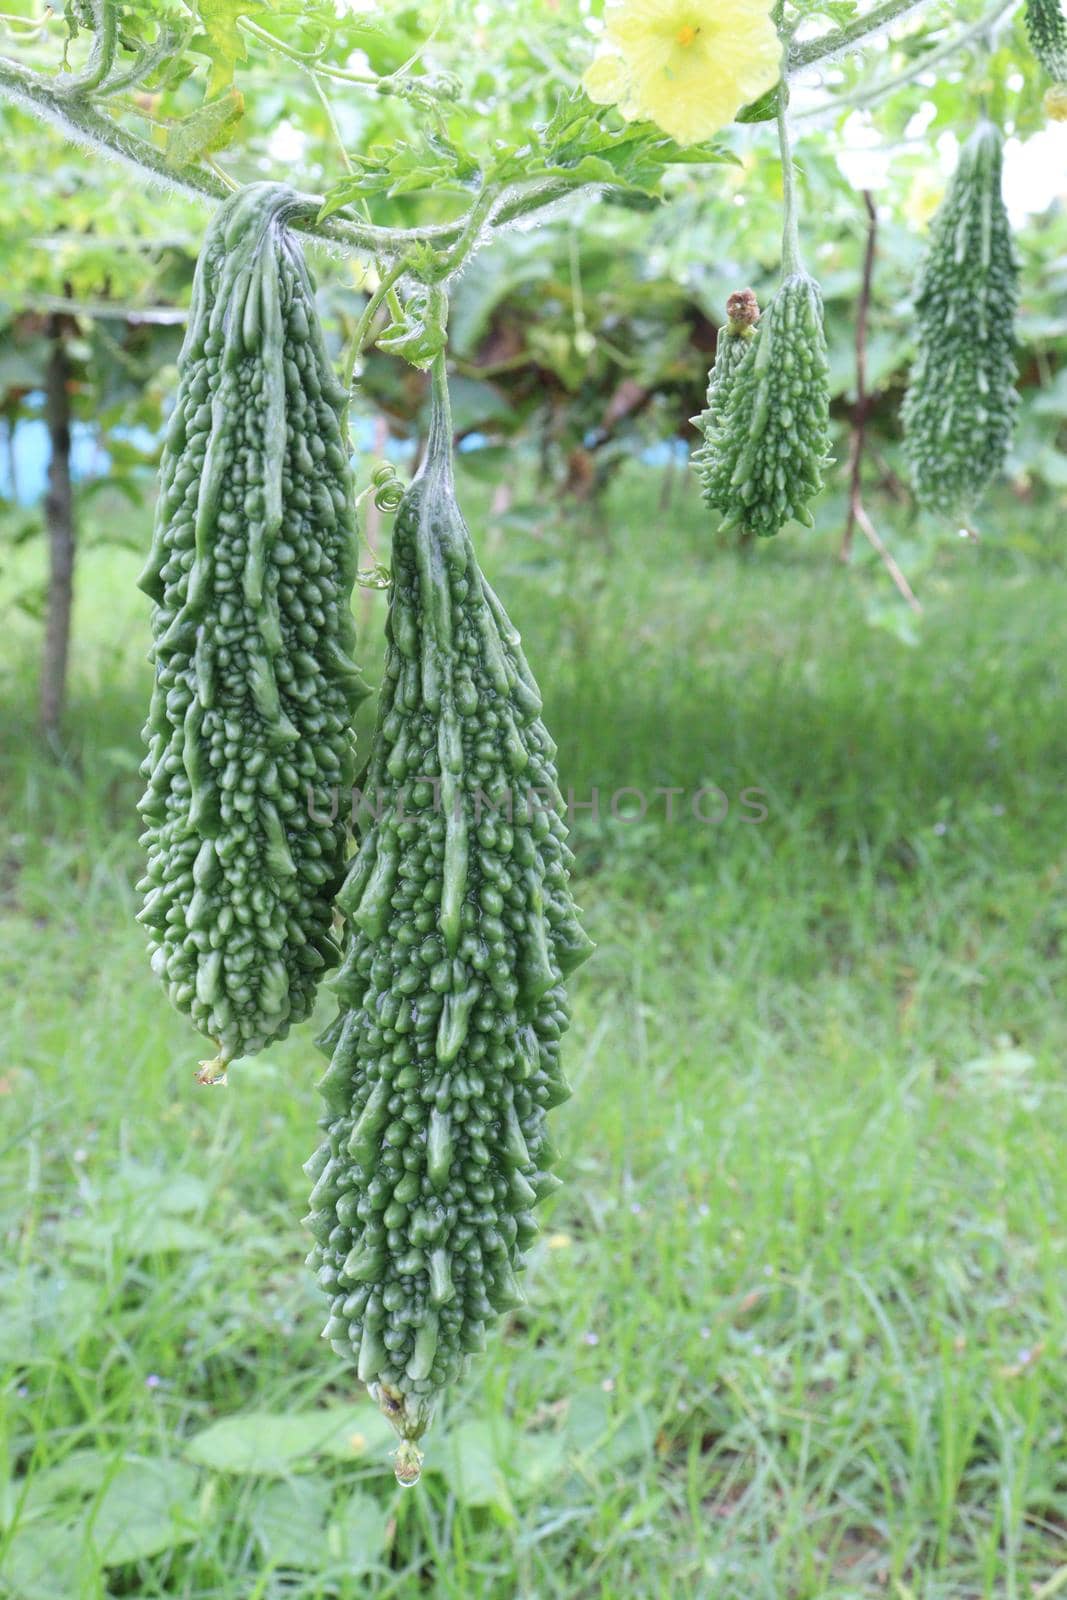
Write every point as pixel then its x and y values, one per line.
pixel 370 311
pixel 479 217
pixel 83 124
pixel 149 57
pixel 869 94
pixel 850 37
pixel 308 59
pixel 791 230
pixel 102 53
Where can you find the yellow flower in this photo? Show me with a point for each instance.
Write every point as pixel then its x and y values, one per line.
pixel 688 65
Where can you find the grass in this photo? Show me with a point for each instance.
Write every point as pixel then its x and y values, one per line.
pixel 796 1325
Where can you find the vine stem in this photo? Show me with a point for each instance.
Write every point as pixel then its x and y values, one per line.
pixel 331 120
pixel 10 20
pixel 305 58
pixel 790 231
pixel 842 40
pixel 479 217
pixel 948 47
pixel 101 55
pixel 64 102
pixel 83 124
pixel 149 57
pixel 363 326
pixel 439 444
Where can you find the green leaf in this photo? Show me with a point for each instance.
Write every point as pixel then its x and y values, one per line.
pixel 142 1235
pixel 41 1310
pixel 222 39
pixel 431 164
pixel 536 1459
pixel 137 1186
pixel 358 1534
pixel 288 1521
pixel 838 12
pixel 607 1440
pixel 42 1563
pixel 765 109
pixel 271 1444
pixel 148 1506
pixel 418 335
pixel 50 1490
pixel 468 1460
pixel 142 1507
pixel 210 127
pixel 488 463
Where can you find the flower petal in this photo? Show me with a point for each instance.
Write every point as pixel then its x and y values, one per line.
pixel 687 65
pixel 606 79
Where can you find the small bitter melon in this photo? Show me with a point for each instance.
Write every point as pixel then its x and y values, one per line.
pixel 770 441
pixel 735 340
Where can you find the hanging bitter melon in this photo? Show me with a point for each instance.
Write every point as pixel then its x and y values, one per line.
pixel 733 344
pixel 250 572
pixel 770 441
pixel 444 1057
pixel 1046 26
pixel 960 404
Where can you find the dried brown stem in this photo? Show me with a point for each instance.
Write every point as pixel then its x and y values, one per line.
pixel 857 514
pixel 868 528
pixel 59 522
pixel 861 409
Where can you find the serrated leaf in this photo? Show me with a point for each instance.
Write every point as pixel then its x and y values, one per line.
pixel 400 168
pixel 222 39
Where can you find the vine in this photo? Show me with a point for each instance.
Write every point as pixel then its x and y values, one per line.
pixel 431 252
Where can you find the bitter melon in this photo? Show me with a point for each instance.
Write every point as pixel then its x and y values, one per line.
pixel 444 1056
pixel 960 404
pixel 250 572
pixel 1046 26
pixel 770 441
pixel 731 347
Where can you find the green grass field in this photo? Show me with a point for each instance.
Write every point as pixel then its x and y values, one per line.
pixel 796 1326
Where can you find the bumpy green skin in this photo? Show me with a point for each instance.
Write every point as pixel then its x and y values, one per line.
pixel 732 346
pixel 445 1052
pixel 771 441
pixel 960 405
pixel 250 572
pixel 1046 26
